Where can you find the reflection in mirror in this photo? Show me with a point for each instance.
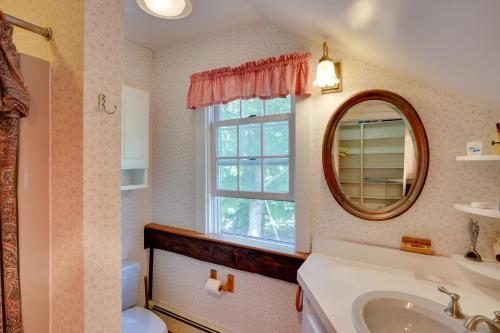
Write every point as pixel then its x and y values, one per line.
pixel 374 155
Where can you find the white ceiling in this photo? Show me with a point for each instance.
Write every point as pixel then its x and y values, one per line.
pixel 207 17
pixel 452 44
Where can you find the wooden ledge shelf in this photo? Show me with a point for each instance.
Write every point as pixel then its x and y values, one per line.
pixel 211 248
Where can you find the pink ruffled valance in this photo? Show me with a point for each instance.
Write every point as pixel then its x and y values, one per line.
pixel 268 78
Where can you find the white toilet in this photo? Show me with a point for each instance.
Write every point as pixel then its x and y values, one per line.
pixel 136 319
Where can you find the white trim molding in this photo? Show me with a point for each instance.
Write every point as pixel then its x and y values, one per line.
pixel 202 151
pixel 302 174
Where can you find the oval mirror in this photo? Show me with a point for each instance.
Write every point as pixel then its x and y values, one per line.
pixel 375 155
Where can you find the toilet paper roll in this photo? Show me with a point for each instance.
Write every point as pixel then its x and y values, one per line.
pixel 213 287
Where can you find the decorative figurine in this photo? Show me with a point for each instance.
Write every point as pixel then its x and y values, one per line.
pixel 472 254
pixel 496 144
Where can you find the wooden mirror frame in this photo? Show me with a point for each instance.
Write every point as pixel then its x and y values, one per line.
pixel 422 149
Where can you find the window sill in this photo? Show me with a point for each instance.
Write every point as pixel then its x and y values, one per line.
pixel 257 244
pixel 261 257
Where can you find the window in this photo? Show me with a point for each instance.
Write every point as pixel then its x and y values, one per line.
pixel 252 166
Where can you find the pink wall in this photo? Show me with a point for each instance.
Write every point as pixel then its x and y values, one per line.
pixel 103 49
pixel 65 54
pixel 84 157
pixel 34 194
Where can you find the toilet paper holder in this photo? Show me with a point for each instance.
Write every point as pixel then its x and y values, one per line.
pixel 228 286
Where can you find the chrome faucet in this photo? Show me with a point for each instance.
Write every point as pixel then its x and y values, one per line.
pixel 493 324
pixel 453 309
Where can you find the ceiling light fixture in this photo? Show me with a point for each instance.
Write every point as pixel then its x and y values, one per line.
pixel 166 9
pixel 328 74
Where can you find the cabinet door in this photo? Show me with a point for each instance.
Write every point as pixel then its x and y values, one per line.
pixel 310 320
pixel 135 128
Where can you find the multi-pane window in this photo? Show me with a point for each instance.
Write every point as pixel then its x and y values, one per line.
pixel 252 169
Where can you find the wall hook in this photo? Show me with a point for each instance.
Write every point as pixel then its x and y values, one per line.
pixel 101 103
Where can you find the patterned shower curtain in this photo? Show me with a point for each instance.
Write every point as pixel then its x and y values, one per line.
pixel 14 103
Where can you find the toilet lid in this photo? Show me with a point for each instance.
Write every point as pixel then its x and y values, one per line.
pixel 140 320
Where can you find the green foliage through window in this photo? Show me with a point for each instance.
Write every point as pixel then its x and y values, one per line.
pixel 268 219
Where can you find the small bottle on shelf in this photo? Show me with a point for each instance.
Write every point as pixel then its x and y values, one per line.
pixel 496 249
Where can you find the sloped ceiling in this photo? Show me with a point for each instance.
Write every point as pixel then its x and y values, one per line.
pixel 207 17
pixel 453 45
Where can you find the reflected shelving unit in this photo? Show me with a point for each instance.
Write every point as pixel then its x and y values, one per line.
pixel 372 172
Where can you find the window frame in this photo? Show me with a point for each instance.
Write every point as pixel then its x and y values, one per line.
pixel 215 194
pixel 216 124
pixel 204 206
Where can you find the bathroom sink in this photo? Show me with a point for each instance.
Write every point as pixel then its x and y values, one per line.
pixel 394 312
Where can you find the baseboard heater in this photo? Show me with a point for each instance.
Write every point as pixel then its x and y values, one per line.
pixel 183 319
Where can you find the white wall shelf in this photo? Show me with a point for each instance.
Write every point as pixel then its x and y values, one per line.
pixel 489 269
pixel 488 212
pixel 132 187
pixel 134 179
pixel 478 158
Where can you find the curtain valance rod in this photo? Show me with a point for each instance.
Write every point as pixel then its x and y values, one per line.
pixel 45 32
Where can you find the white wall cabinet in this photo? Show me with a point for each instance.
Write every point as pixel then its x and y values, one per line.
pixel 135 138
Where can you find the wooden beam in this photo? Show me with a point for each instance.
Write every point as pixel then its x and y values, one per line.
pixel 210 248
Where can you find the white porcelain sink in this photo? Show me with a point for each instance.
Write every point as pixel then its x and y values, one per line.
pixel 395 312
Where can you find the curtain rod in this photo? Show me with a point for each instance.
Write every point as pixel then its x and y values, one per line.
pixel 45 32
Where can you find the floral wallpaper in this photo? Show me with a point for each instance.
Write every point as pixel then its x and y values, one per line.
pixel 182 279
pixel 103 49
pixel 65 54
pixel 85 148
pixel 450 122
pixel 85 234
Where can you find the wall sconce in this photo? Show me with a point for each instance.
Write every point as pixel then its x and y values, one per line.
pixel 328 74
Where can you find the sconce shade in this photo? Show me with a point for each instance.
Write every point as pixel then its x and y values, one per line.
pixel 325 73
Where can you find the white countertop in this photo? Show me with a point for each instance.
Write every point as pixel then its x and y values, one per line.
pixel 333 283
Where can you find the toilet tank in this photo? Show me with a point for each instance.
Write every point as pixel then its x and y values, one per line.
pixel 130 283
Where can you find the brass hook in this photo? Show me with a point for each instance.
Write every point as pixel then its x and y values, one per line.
pixel 101 103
